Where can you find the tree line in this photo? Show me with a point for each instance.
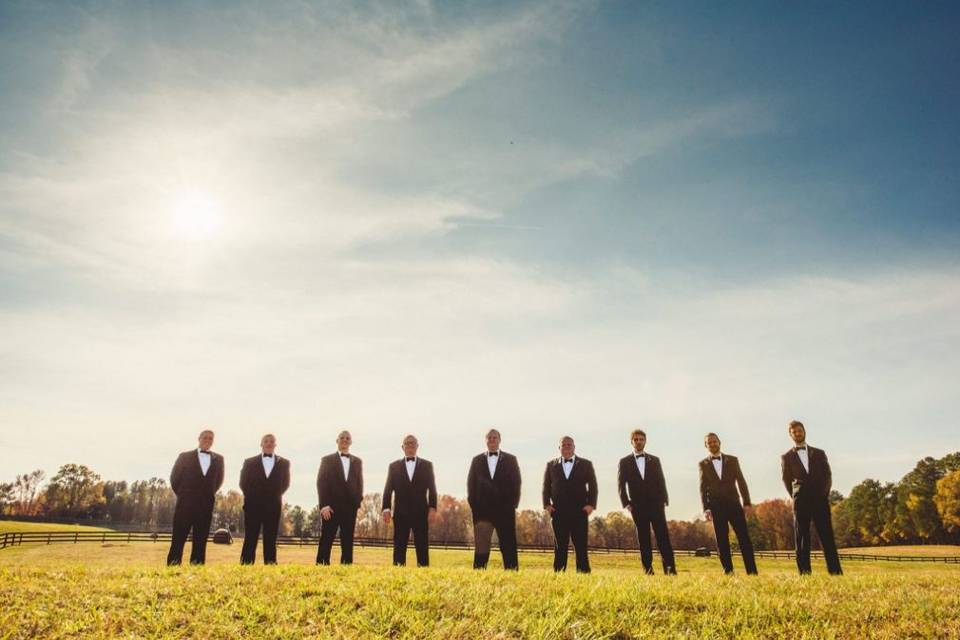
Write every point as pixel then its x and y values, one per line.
pixel 922 508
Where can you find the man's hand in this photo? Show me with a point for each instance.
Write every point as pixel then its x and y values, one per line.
pixel 629 508
pixel 432 514
pixel 707 515
pixel 747 509
pixel 326 513
pixel 386 516
pixel 588 509
pixel 549 509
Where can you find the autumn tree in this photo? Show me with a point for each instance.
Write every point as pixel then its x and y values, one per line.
pixel 947 500
pixel 26 489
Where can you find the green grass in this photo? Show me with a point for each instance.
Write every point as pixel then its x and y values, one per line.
pixel 14 526
pixel 93 590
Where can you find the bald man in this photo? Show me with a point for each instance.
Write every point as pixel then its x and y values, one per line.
pixel 410 501
pixel 264 479
pixel 340 490
pixel 196 477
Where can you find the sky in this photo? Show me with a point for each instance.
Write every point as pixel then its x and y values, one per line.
pixel 553 218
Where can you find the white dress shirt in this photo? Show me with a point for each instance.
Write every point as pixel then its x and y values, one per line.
pixel 492 463
pixel 568 467
pixel 205 458
pixel 718 465
pixel 804 458
pixel 411 466
pixel 641 464
pixel 345 461
pixel 268 462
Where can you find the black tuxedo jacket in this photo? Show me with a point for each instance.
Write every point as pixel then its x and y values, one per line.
pixel 491 498
pixel 187 477
pixel 258 489
pixel 651 490
pixel 570 496
pixel 802 485
pixel 722 491
pixel 333 489
pixel 406 497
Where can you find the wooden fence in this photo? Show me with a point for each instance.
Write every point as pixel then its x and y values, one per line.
pixel 15 539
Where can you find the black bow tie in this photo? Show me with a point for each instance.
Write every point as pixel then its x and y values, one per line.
pixel 204 453
pixel 344 455
pixel 268 455
pixel 413 459
pixel 716 457
pixel 639 455
pixel 803 448
pixel 493 454
pixel 566 460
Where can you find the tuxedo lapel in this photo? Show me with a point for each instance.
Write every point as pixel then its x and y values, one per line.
pixel 712 469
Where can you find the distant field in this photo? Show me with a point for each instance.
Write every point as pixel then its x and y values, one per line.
pixel 13 526
pixel 100 591
pixel 908 550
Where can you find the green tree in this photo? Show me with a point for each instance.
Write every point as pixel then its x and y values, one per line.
pixel 862 518
pixel 6 497
pixel 228 511
pixel 74 491
pixel 297 518
pixel 917 516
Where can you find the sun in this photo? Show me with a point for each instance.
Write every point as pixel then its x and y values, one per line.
pixel 196 215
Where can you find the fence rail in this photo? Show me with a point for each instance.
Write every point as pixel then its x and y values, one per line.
pixel 15 539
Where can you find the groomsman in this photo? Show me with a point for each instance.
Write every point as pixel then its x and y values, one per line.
pixel 643 492
pixel 263 480
pixel 720 476
pixel 807 478
pixel 493 491
pixel 410 501
pixel 570 496
pixel 340 487
pixel 196 477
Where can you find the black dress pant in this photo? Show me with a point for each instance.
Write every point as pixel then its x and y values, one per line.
pixel 344 520
pixel 506 527
pixel 724 517
pixel 403 524
pixel 265 517
pixel 646 517
pixel 569 527
pixel 191 515
pixel 817 510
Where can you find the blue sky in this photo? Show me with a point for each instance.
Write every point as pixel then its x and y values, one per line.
pixel 551 217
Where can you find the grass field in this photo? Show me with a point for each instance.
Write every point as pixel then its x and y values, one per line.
pixel 94 590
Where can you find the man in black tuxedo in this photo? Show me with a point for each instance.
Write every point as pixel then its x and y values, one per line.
pixel 340 487
pixel 410 501
pixel 493 491
pixel 263 480
pixel 720 476
pixel 570 496
pixel 196 477
pixel 807 478
pixel 643 492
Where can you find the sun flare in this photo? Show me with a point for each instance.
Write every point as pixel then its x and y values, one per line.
pixel 196 215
